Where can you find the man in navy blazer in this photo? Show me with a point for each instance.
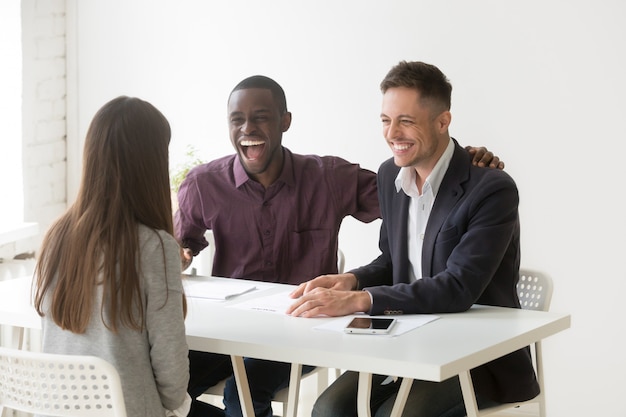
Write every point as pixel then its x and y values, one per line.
pixel 450 238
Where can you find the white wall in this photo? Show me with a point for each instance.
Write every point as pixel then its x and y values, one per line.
pixel 33 117
pixel 10 85
pixel 44 111
pixel 541 83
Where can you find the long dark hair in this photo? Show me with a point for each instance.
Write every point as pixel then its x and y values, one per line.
pixel 125 181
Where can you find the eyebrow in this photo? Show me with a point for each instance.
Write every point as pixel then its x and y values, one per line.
pixel 400 116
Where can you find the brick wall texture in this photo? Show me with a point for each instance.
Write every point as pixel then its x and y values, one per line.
pixel 44 113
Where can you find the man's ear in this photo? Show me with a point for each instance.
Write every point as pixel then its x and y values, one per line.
pixel 285 121
pixel 443 121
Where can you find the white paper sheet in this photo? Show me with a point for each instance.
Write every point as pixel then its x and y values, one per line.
pixel 278 304
pixel 216 289
pixel 274 303
pixel 404 323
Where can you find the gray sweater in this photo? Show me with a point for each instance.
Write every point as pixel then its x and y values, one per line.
pixel 153 363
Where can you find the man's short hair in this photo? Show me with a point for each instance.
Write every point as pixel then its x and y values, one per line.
pixel 261 81
pixel 432 85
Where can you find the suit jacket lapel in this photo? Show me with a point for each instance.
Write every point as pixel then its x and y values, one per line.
pixel 449 193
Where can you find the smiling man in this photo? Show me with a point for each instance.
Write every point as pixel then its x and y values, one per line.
pixel 275 216
pixel 450 238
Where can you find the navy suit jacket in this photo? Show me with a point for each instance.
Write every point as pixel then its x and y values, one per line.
pixel 470 255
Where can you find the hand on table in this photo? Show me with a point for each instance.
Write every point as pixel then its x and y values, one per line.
pixel 329 295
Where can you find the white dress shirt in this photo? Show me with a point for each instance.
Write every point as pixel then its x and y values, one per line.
pixel 421 206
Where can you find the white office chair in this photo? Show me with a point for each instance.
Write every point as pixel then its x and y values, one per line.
pixel 534 290
pixel 281 396
pixel 341 261
pixel 59 385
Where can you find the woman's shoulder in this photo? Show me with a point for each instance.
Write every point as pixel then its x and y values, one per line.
pixel 158 250
pixel 151 239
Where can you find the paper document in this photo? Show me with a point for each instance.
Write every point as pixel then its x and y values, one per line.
pixel 216 289
pixel 404 323
pixel 274 303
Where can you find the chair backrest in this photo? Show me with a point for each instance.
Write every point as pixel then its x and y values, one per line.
pixel 534 290
pixel 59 385
pixel 341 261
pixel 203 263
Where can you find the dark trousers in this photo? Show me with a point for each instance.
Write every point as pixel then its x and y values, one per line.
pixel 205 370
pixel 265 379
pixel 426 399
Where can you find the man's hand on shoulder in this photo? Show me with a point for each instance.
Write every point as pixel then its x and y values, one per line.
pixel 482 157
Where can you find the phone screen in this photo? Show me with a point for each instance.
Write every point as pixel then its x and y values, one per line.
pixel 371 325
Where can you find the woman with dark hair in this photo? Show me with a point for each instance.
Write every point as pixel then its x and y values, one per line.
pixel 108 278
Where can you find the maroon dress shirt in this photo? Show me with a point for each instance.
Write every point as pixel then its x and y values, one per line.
pixel 287 233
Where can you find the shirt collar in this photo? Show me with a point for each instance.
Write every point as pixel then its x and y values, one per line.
pixel 405 180
pixel 286 175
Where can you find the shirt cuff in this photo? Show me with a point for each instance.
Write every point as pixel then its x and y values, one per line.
pixel 371 300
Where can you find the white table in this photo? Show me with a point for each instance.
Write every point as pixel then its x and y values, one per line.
pixel 452 345
pixel 16 310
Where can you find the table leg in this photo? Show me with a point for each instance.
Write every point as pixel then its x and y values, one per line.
pixel 364 394
pixel 294 389
pixel 469 396
pixel 243 389
pixel 401 397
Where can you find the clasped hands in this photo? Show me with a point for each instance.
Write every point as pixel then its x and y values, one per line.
pixel 329 295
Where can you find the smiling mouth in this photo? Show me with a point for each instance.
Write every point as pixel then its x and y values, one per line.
pixel 252 149
pixel 400 146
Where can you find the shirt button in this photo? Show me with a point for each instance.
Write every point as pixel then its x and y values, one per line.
pixel 422 236
pixel 267 232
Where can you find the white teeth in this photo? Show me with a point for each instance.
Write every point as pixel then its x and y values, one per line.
pixel 251 142
pixel 401 147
